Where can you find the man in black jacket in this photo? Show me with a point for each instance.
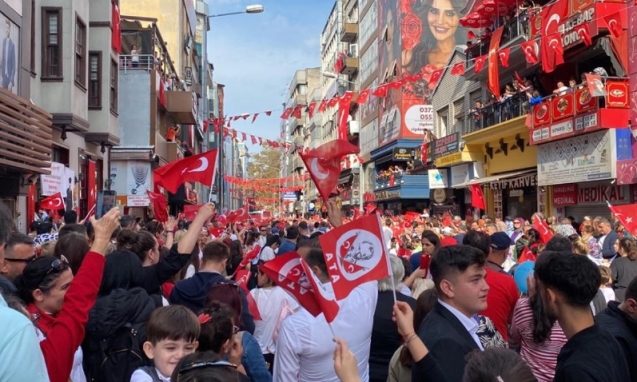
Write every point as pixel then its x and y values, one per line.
pixel 450 330
pixel 192 292
pixel 607 239
pixel 620 320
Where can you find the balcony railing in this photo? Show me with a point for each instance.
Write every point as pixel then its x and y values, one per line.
pixel 496 112
pixel 137 62
pixel 517 26
pixel 350 30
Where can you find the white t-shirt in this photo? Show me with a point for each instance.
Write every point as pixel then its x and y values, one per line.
pixel 609 294
pixel 387 235
pixel 141 376
pixel 267 254
pixel 271 303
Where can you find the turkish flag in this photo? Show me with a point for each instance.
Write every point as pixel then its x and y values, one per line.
pixel 369 208
pixel 552 16
pixel 363 96
pixel 297 111
pixel 52 203
pixel 595 85
pixel 190 211
pixel 324 297
pixel 343 116
pixel 31 215
pixel 355 254
pixel 250 256
pixel 552 52
pixel 322 106
pixel 584 33
pixel 158 201
pixel 457 69
pixel 614 25
pixel 216 232
pixel 493 80
pixel 324 164
pixel 381 91
pixel 116 34
pixel 197 168
pixel 310 109
pixel 238 216
pixel 287 272
pixel 333 102
pixel 627 215
pixel 478 65
pixel 286 113
pixel 447 221
pixel 545 232
pixel 503 54
pixel 410 216
pixel 91 187
pixel 477 197
pixel 528 48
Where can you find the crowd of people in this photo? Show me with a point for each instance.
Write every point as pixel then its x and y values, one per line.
pixel 121 299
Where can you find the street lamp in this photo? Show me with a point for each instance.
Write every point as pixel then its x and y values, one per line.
pixel 255 8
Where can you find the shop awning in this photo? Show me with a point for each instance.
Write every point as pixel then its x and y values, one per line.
pixel 494 178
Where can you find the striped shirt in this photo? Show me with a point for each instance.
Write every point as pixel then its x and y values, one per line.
pixel 541 358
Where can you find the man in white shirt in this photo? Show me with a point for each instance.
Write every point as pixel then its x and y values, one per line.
pixel 263 237
pixel 305 346
pixel 387 232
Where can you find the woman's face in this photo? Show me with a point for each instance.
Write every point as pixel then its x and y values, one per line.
pixel 427 247
pixel 51 301
pixel 442 19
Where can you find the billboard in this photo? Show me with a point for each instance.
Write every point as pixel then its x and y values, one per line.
pixel 416 37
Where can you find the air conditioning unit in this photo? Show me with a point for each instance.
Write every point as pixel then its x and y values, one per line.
pixel 353 50
pixel 354 127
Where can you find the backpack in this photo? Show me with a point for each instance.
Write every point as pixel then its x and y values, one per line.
pixel 122 354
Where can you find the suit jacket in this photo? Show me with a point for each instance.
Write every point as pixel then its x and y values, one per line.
pixel 608 248
pixel 8 63
pixel 448 342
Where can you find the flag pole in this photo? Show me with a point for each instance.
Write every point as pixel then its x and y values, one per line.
pixel 332 330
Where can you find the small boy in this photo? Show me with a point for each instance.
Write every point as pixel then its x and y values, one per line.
pixel 172 333
pixel 607 282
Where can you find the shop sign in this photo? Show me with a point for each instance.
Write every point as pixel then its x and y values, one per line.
pixel 529 180
pixel 290 195
pixel 617 94
pixel 562 106
pixel 565 195
pixel 438 178
pixel 582 124
pixel 449 160
pixel 384 195
pixel 403 154
pixel 137 201
pixel 603 192
pixel 542 114
pixel 459 174
pixel 579 16
pixel 583 158
pixel 447 145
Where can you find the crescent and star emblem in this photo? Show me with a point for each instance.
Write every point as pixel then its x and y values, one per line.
pixel 203 167
pixel 553 18
pixel 56 203
pixel 314 168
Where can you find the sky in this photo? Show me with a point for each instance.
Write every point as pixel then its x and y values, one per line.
pixel 256 55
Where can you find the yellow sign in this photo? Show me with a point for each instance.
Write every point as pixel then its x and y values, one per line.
pixel 449 160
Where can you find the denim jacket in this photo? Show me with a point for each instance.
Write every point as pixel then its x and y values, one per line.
pixel 253 360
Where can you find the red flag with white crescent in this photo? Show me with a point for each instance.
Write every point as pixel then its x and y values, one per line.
pixel 53 202
pixel 324 297
pixel 158 201
pixel 627 215
pixel 545 232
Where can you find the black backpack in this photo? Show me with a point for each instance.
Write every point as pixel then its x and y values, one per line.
pixel 122 354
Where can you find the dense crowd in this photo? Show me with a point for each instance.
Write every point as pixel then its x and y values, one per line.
pixel 122 299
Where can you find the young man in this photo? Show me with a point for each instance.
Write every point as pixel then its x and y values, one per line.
pixel 450 330
pixel 567 284
pixel 620 320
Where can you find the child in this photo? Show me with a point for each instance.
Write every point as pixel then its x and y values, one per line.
pixel 171 334
pixel 607 290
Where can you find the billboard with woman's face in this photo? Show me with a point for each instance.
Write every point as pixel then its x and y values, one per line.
pixel 429 33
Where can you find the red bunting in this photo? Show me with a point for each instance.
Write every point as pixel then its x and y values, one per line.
pixel 503 54
pixel 479 63
pixel 458 69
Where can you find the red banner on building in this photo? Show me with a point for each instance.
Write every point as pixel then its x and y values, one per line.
pixel 565 195
pixel 91 187
pixel 493 72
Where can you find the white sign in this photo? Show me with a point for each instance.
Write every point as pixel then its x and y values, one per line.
pixel 583 158
pixel 420 118
pixel 132 179
pixel 137 201
pixel 438 178
pixel 52 183
pixel 460 174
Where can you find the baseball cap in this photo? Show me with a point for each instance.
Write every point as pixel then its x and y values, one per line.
pixel 447 231
pixel 500 241
pixel 275 230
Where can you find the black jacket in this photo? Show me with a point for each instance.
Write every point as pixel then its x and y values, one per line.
pixel 448 342
pixel 624 329
pixel 608 248
pixel 192 294
pixel 7 287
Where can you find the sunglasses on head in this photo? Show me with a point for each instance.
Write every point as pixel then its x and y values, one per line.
pixel 58 265
pixel 202 365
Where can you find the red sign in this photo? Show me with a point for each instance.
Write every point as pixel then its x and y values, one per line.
pixel 617 94
pixel 584 101
pixel 542 114
pixel 581 124
pixel 565 195
pixel 578 5
pixel 562 107
pixel 535 22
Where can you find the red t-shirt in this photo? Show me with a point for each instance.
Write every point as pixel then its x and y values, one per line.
pixel 503 294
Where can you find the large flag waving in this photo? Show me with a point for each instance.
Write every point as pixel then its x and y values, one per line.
pixel 158 201
pixel 324 297
pixel 355 254
pixel 324 164
pixel 545 232
pixel 197 168
pixel 52 203
pixel 627 215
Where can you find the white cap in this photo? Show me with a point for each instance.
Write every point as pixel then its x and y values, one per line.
pixel 447 231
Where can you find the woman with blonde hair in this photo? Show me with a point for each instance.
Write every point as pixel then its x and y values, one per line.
pixel 589 235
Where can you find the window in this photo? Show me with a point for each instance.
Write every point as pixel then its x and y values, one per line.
pixel 95 80
pixel 459 116
pixel 441 128
pixel 32 60
pixel 368 25
pixel 52 43
pixel 114 90
pixel 60 155
pixel 80 52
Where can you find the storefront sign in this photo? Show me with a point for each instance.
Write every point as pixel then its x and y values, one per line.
pixel 562 106
pixel 137 201
pixel 449 160
pixel 584 101
pixel 460 174
pixel 582 124
pixel 55 182
pixel 438 178
pixel 447 145
pixel 384 195
pixel 565 195
pixel 529 180
pixel 617 94
pixel 583 158
pixel 402 154
pixel 542 114
pixel 601 193
pixel 132 178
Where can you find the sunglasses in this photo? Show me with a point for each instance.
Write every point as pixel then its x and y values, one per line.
pixel 201 365
pixel 58 265
pixel 26 261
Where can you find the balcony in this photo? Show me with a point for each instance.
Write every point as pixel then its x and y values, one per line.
pixel 496 112
pixel 300 99
pixel 405 187
pixel 350 30
pixel 25 135
pixel 350 66
pixel 181 107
